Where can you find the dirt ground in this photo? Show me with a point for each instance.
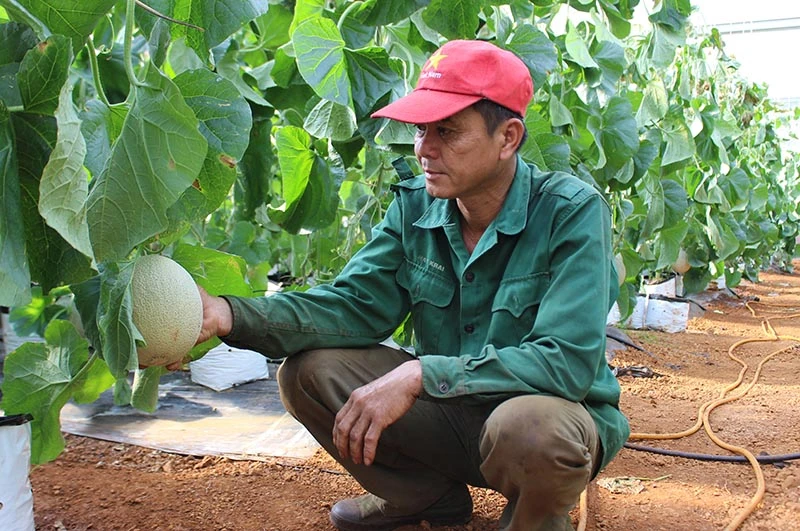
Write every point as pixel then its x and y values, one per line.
pixel 109 486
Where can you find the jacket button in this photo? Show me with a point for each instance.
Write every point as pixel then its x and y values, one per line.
pixel 470 276
pixel 443 387
pixel 469 328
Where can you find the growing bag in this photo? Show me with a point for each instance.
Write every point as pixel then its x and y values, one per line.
pixel 16 498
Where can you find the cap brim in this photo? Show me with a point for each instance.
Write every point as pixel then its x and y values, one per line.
pixel 424 106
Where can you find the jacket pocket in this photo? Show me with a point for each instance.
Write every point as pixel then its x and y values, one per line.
pixel 430 294
pixel 517 303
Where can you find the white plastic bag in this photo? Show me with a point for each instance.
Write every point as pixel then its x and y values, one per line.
pixel 223 367
pixel 16 497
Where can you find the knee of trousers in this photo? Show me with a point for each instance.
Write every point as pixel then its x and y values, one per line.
pixel 538 440
pixel 308 377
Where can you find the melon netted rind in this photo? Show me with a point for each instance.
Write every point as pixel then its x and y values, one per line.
pixel 167 310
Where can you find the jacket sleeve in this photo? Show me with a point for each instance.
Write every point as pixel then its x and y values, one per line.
pixel 363 306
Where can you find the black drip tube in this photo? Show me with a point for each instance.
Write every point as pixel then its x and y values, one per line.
pixel 764 459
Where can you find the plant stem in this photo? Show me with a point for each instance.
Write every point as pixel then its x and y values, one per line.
pixel 15 108
pixel 347 11
pixel 165 17
pixel 98 85
pixel 128 44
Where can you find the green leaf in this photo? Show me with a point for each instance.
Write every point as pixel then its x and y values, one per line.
pixel 40 378
pixel 296 160
pixel 331 120
pixel 320 58
pixel 217 272
pixel 218 18
pixel 52 261
pixel 101 125
pixel 652 192
pixel 15 40
pixel 118 334
pixel 722 237
pixel 158 155
pixel 87 301
pixel 559 113
pixel 610 58
pixel 577 49
pixel 15 278
pixel 253 188
pixel 225 122
pixel 64 186
pixel 371 77
pixel 229 68
pixel 668 243
pixel 74 18
pixel 676 202
pixel 455 19
pixel 617 132
pixel 42 73
pixel 736 187
pixel 536 50
pixel 654 105
pixel 381 12
pixel 679 144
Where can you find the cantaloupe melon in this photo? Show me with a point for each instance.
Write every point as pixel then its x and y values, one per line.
pixel 167 310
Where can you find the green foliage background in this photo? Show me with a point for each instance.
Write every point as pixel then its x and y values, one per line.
pixel 234 136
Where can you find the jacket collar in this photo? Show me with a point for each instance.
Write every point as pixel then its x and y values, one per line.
pixel 513 215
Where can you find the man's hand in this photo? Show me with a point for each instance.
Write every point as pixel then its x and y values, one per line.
pixel 217 321
pixel 372 408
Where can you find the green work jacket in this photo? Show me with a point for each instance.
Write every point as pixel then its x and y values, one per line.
pixel 524 313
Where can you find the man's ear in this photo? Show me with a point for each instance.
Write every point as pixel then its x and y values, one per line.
pixel 513 130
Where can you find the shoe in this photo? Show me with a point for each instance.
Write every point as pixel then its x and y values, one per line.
pixel 371 513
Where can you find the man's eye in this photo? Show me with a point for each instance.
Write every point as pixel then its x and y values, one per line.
pixel 443 131
pixel 420 128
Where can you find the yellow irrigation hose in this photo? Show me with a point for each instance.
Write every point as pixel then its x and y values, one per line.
pixel 704 413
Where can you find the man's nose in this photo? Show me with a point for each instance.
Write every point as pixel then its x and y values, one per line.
pixel 426 144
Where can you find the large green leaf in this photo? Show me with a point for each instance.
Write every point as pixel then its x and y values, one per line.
pixel 651 190
pixel 371 77
pixel 217 272
pixel 225 122
pixel 118 334
pixel 381 12
pixel 296 160
pixel 616 132
pixel 42 73
pixel 679 144
pixel 74 18
pixel 319 49
pixel 15 278
pixel 41 377
pixel 722 237
pixel 218 18
pixel 577 49
pixel 158 155
pixel 253 187
pixel 52 261
pixel 654 104
pixel 65 186
pixel 15 40
pixel 101 125
pixel 455 19
pixel 536 51
pixel 331 120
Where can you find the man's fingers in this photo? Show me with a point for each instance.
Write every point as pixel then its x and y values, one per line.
pixel 371 443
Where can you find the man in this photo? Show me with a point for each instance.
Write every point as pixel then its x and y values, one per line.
pixel 507 273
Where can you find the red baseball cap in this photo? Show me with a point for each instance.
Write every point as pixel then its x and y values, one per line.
pixel 459 74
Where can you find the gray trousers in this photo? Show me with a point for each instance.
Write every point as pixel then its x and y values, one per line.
pixel 538 451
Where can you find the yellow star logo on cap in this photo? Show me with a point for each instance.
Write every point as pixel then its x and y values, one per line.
pixel 434 59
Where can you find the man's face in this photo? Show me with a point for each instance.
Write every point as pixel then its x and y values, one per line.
pixel 459 157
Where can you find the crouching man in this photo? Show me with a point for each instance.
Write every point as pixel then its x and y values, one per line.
pixel 507 273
